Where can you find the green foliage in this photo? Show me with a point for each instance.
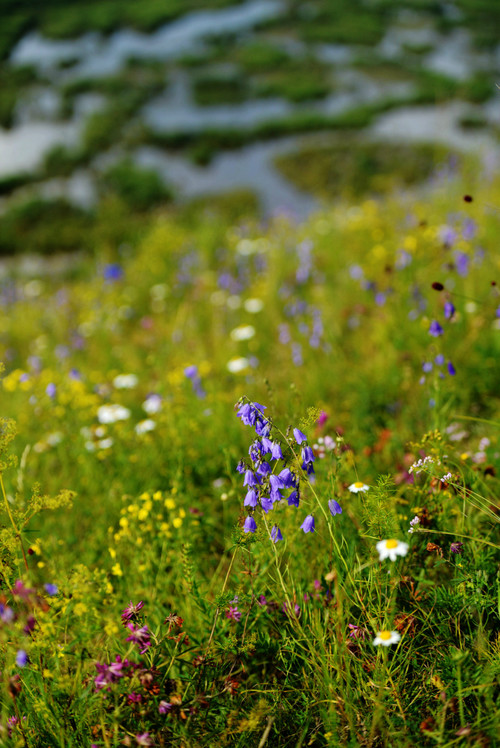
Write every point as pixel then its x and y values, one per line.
pixel 140 189
pixel 379 511
pixel 44 226
pixel 353 167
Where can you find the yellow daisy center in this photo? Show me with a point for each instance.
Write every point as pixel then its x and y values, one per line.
pixel 385 635
pixel 391 543
pixel 359 484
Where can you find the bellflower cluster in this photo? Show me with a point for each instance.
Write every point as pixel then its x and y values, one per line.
pixel 269 479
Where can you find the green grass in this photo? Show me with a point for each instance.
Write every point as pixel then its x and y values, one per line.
pixel 158 514
pixel 352 167
pixel 211 89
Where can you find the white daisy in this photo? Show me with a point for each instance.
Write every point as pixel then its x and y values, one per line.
pixel 386 638
pixel 391 549
pixel 243 332
pixel 112 413
pixel 152 404
pixel 236 365
pixel 358 486
pixel 254 306
pixel 144 426
pixel 125 381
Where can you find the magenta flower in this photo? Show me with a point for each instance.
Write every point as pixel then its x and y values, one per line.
pixel 139 636
pixel 356 632
pixel 233 613
pixel 143 739
pixel 164 707
pixel 131 611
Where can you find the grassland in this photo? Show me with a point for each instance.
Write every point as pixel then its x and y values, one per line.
pixel 136 609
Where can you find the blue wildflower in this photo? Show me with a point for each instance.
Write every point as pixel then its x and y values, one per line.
pixel 427 366
pixel 21 658
pixel 308 524
pixel 262 427
pixel 250 525
pixel 266 445
pixel 251 498
pixel 462 263
pixel 451 369
pixel 276 452
pixel 334 507
pixel 307 455
pixel 264 468
pixel 449 309
pixel 51 589
pixel 299 436
pixel 266 503
pixel 435 329
pixel 251 479
pixel 293 499
pixel 276 534
pixel 112 272
pixel 439 360
pixel 288 478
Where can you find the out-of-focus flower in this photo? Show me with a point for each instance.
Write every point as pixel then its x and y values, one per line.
pixel 435 329
pixel 456 547
pixel 152 404
pixel 21 658
pixel 143 427
pixel 235 365
pixel 253 306
pixel 112 413
pixel 51 589
pixel 125 381
pixel 243 332
pixel 449 310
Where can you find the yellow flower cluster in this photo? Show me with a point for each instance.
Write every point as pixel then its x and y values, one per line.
pixel 153 513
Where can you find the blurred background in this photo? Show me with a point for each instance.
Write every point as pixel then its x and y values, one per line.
pixel 111 110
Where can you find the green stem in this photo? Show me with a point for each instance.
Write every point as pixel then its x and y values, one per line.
pixel 18 534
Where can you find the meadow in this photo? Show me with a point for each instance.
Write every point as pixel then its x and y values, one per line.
pixel 249 478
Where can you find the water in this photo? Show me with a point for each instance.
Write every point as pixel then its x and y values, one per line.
pixel 37 128
pixel 97 56
pixel 250 167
